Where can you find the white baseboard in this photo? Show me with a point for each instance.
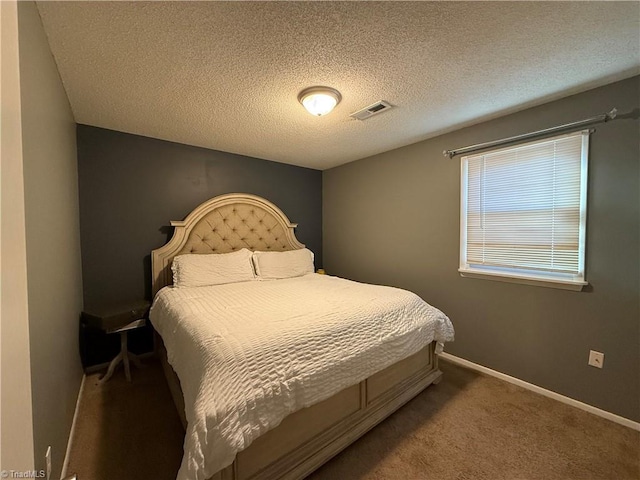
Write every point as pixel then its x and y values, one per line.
pixel 542 391
pixel 65 464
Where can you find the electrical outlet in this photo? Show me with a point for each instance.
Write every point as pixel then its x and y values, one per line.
pixel 47 458
pixel 596 359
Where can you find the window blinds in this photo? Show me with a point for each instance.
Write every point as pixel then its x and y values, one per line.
pixel 524 207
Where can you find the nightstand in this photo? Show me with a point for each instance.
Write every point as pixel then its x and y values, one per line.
pixel 119 319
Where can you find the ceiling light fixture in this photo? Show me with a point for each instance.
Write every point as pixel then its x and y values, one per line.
pixel 319 100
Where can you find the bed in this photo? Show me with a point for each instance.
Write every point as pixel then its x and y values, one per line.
pixel 315 362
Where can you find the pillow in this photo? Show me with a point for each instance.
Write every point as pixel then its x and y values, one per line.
pixel 212 268
pixel 274 265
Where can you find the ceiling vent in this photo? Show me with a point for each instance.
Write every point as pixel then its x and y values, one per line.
pixel 371 110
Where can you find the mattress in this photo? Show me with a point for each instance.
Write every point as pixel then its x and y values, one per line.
pixel 248 354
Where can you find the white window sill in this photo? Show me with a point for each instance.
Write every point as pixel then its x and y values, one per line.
pixel 562 284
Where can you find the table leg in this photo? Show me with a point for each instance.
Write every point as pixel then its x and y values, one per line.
pixel 112 367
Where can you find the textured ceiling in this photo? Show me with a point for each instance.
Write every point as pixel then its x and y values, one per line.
pixel 226 75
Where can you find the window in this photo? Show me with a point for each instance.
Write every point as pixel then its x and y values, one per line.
pixel 523 212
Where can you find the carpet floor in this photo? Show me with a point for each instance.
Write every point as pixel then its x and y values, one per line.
pixel 469 427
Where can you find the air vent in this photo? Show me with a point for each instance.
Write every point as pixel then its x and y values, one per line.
pixel 371 110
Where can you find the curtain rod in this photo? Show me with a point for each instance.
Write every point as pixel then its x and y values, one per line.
pixel 605 117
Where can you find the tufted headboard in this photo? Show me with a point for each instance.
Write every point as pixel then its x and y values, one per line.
pixel 224 224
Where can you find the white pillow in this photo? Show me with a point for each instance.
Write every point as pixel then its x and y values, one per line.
pixel 212 268
pixel 274 265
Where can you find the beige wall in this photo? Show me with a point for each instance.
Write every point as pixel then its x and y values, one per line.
pixel 49 223
pixel 15 378
pixel 394 219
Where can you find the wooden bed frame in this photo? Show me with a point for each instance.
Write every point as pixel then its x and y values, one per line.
pixel 307 438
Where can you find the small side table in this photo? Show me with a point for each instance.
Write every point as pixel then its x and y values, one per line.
pixel 120 320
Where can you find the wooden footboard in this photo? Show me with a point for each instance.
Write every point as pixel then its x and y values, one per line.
pixel 308 438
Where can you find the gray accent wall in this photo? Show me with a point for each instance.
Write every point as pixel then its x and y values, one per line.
pixel 131 187
pixel 52 240
pixel 394 219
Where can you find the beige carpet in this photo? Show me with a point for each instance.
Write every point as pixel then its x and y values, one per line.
pixel 127 431
pixel 469 427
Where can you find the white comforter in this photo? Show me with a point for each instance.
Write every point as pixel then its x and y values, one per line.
pixel 248 354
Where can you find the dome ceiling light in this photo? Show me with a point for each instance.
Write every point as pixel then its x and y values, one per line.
pixel 319 100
